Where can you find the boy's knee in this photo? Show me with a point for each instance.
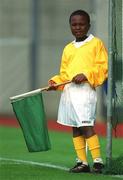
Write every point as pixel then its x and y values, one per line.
pixel 88 131
pixel 76 132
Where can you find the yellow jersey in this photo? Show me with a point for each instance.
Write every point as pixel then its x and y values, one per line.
pixel 90 59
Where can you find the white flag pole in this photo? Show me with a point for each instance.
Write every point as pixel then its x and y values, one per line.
pixel 31 93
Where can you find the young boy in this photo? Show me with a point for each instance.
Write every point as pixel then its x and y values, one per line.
pixel 84 63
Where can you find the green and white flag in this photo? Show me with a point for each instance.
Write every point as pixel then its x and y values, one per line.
pixel 29 111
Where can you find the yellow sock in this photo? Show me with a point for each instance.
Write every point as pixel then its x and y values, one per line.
pixel 94 146
pixel 79 145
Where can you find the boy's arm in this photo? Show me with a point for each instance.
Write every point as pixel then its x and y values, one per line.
pixel 99 72
pixel 62 77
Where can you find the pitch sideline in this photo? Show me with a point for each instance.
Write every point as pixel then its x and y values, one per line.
pixel 18 161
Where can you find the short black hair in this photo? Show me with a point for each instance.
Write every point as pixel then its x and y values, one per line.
pixel 81 13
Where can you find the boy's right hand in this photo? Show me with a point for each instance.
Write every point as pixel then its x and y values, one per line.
pixel 52 85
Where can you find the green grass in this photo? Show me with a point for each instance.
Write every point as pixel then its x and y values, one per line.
pixel 12 146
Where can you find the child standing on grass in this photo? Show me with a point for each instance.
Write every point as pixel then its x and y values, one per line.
pixel 84 63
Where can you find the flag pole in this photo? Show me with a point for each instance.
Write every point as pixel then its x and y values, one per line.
pixel 31 93
pixel 110 84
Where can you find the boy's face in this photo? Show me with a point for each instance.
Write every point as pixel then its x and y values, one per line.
pixel 79 26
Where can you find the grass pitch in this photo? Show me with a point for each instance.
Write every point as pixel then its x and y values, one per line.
pixel 16 163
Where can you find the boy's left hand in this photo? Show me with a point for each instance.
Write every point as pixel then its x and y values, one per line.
pixel 79 78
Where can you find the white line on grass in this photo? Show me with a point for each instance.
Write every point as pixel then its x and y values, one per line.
pixel 17 161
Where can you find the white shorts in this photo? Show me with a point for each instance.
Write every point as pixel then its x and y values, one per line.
pixel 77 106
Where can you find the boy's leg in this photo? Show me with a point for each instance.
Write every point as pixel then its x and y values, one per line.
pixel 79 145
pixel 80 148
pixel 94 147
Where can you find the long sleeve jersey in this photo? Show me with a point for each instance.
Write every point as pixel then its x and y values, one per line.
pixel 90 59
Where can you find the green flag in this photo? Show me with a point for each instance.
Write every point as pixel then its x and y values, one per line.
pixel 31 116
